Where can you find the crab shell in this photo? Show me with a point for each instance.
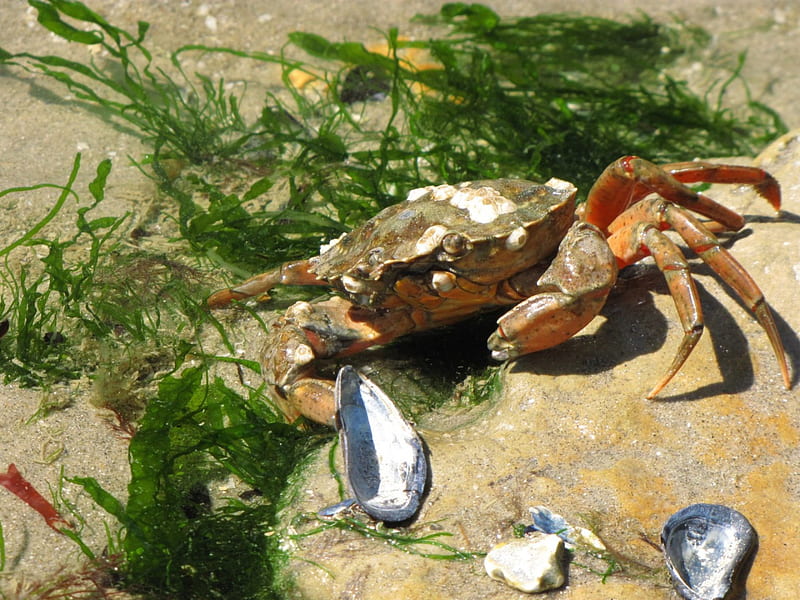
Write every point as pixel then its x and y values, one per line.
pixel 484 231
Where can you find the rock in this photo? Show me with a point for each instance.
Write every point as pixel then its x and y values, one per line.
pixel 531 564
pixel 572 429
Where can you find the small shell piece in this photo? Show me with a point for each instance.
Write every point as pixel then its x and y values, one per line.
pixel 706 547
pixel 547 521
pixel 531 564
pixel 384 459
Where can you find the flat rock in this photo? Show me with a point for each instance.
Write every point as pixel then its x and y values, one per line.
pixel 572 431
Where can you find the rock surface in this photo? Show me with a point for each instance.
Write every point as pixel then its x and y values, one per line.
pixel 572 431
pixel 531 564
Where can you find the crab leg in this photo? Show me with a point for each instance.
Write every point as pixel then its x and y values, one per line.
pixel 696 171
pixel 639 239
pixel 665 215
pixel 629 179
pixel 291 273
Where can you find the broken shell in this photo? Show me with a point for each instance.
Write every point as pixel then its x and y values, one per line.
pixel 530 564
pixel 706 547
pixel 547 521
pixel 334 510
pixel 384 459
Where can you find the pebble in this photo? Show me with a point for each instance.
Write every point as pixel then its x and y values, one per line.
pixel 531 564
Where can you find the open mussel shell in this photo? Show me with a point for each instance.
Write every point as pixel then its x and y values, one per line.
pixel 707 547
pixel 384 458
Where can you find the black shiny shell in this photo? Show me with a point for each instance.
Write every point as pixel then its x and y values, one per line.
pixel 706 547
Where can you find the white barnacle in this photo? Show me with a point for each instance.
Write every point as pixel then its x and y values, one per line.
pixel 560 185
pixel 300 311
pixel 442 192
pixel 430 239
pixel 418 193
pixel 484 204
pixel 325 247
pixel 301 354
pixel 443 281
pixel 517 239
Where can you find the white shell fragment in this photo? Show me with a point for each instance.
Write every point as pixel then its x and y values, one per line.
pixel 706 547
pixel 547 521
pixel 531 564
pixel 333 511
pixel 384 459
pixel 483 204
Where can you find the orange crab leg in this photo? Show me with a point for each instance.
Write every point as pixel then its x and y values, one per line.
pixel 629 179
pixel 665 215
pixel 696 171
pixel 291 273
pixel 639 239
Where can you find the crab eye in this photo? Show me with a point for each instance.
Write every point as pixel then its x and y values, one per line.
pixel 455 244
pixel 375 256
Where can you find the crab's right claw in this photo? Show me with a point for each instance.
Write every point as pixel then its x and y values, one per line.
pixel 570 293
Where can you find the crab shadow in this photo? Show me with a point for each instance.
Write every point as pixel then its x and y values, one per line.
pixel 635 326
pixel 631 326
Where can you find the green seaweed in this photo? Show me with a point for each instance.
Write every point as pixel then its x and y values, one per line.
pixel 36 351
pixel 428 545
pixel 83 306
pixel 197 432
pixel 533 97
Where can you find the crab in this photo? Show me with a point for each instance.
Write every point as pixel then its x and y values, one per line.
pixel 450 251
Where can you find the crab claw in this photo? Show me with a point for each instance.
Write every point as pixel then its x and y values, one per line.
pixel 573 291
pixel 309 332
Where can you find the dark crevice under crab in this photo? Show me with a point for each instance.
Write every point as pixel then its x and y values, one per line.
pixel 449 251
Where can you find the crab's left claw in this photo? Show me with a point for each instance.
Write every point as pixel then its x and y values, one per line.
pixel 313 331
pixel 569 295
